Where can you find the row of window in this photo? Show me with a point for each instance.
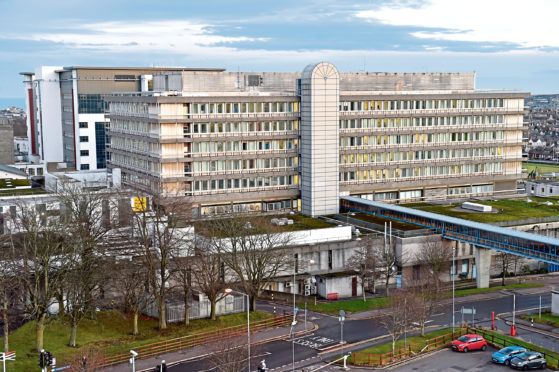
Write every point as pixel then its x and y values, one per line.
pixel 246 127
pixel 245 183
pixel 244 107
pixel 249 207
pixel 445 170
pixel 415 194
pixel 126 143
pixel 476 189
pixel 386 157
pixel 131 161
pixel 421 122
pixel 204 147
pixel 128 108
pixel 225 165
pixel 403 139
pixel 130 125
pixel 429 104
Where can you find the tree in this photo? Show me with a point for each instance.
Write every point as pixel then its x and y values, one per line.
pixel 209 274
pixel 228 354
pixel 82 215
pixel 158 226
pixel 387 259
pixel 182 269
pixel 400 316
pixel 434 259
pixel 44 248
pixel 503 262
pixel 364 262
pixel 10 283
pixel 254 249
pixel 131 284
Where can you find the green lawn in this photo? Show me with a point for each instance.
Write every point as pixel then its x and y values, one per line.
pixel 509 210
pixel 419 340
pixel 110 332
pixel 351 306
pixel 13 192
pixel 471 291
pixel 542 168
pixel 547 318
pixel 398 225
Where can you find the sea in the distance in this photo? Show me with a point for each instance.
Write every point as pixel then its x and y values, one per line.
pixel 6 102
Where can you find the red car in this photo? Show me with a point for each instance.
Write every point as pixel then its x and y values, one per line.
pixel 469 342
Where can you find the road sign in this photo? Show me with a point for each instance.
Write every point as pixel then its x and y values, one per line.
pixel 469 311
pixel 60 368
pixel 342 316
pixel 296 308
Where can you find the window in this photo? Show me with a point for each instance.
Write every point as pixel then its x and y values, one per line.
pixel 84 139
pixel 84 167
pixel 330 259
pixel 84 152
pixel 83 124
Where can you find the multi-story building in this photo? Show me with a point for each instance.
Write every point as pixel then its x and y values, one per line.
pixel 66 110
pixel 279 141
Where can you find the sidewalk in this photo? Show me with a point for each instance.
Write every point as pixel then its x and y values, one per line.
pixel 268 335
pixel 470 298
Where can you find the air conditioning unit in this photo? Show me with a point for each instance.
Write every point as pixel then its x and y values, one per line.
pixel 307 287
pixel 288 284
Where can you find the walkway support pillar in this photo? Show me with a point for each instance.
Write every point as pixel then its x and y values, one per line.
pixel 483 266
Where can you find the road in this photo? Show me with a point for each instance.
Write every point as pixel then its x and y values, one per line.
pixel 278 354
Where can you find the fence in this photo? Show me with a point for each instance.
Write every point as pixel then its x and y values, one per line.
pixel 376 360
pixel 499 341
pixel 186 342
pixel 174 312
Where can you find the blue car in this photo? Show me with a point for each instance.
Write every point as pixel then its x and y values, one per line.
pixel 504 355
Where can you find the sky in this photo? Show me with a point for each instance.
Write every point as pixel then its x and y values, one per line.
pixel 510 44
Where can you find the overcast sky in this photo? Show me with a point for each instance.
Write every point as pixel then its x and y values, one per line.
pixel 511 44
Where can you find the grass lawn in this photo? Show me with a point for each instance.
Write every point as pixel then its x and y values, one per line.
pixel 542 168
pixel 110 332
pixel 509 210
pixel 351 306
pixel 419 340
pixel 398 225
pixel 471 291
pixel 547 318
pixel 13 192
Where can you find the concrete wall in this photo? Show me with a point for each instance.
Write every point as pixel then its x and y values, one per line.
pixel 341 285
pixel 49 113
pixel 406 81
pixel 6 142
pixel 555 303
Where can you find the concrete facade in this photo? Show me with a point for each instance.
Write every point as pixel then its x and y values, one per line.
pixel 555 303
pixel 265 141
pixel 483 264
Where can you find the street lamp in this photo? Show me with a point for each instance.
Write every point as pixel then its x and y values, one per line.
pixel 229 291
pixel 342 319
pixel 133 360
pixel 293 323
pixel 452 273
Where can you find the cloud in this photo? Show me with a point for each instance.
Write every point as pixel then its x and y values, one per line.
pixel 171 36
pixel 525 24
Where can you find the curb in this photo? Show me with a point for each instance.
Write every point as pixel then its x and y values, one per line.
pixel 252 343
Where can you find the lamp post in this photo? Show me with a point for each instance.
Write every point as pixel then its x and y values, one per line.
pixel 342 319
pixel 293 323
pixel 452 273
pixel 229 291
pixel 133 360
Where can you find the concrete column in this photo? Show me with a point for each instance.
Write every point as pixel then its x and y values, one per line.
pixel 483 266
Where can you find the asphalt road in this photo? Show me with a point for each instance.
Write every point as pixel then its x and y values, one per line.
pixel 278 354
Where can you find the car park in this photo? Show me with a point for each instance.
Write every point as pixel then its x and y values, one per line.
pixel 528 360
pixel 504 355
pixel 469 342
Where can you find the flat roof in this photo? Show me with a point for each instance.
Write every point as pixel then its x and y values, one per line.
pixel 458 221
pixel 142 68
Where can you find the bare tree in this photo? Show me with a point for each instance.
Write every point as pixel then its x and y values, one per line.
pixel 434 259
pixel 158 226
pixel 131 283
pixel 44 259
pixel 10 283
pixel 503 262
pixel 387 259
pixel 209 274
pixel 400 316
pixel 88 360
pixel 229 354
pixel 364 262
pixel 254 249
pixel 182 270
pixel 83 221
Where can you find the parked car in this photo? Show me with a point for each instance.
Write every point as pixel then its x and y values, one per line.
pixel 504 355
pixel 469 342
pixel 529 360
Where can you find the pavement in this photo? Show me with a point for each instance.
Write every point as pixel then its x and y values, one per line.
pixel 319 344
pixel 202 351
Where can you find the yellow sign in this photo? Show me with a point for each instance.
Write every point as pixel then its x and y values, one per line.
pixel 140 204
